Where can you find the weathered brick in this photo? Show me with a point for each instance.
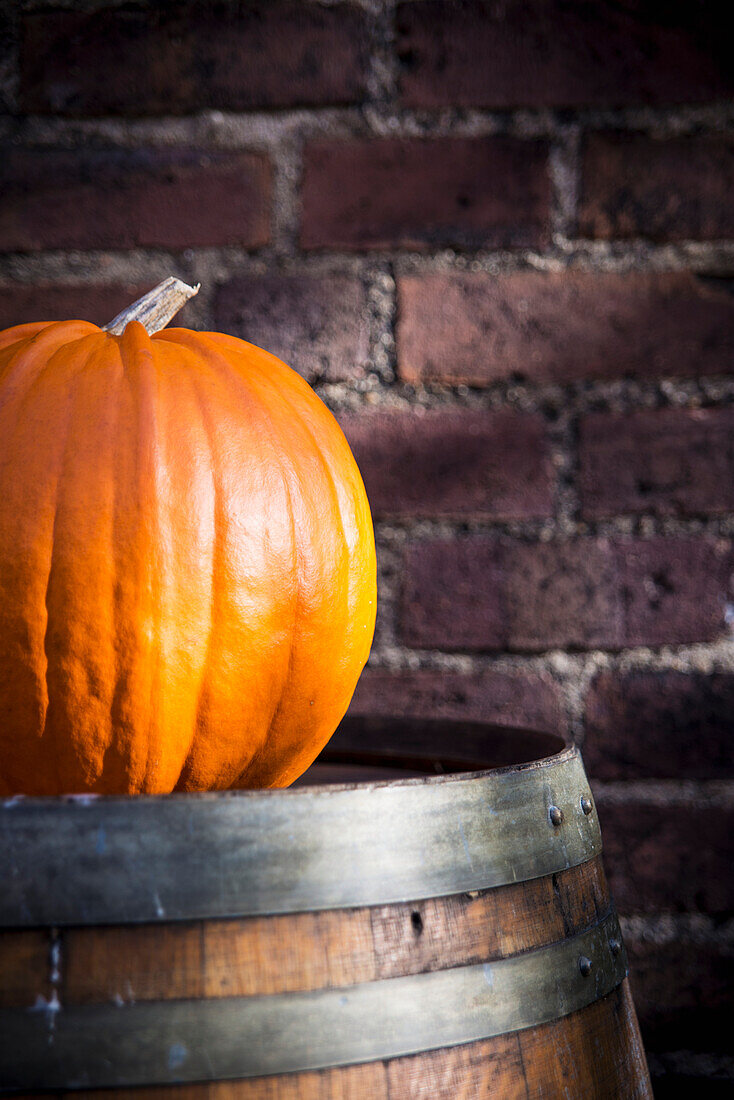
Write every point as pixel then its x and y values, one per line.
pixel 668 461
pixel 8 65
pixel 674 591
pixel 316 324
pixel 20 304
pixel 477 328
pixel 562 596
pixel 425 193
pixel 511 699
pixel 453 595
pixel 668 189
pixel 453 463
pixel 667 857
pixel 124 198
pixel 481 594
pixel 98 303
pixel 540 54
pixel 660 724
pixel 683 992
pixel 180 58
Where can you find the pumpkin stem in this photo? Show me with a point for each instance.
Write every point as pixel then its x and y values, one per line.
pixel 156 308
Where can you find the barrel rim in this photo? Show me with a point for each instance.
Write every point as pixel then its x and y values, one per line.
pixel 127 860
pixel 476 771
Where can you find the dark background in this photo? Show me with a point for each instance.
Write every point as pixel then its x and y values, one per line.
pixel 497 238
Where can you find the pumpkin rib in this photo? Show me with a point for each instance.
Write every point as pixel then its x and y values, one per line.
pixel 354 497
pixel 268 743
pixel 114 757
pixel 264 427
pixel 19 638
pixel 55 549
pixel 266 362
pixel 103 395
pixel 136 340
pixel 217 555
pixel 255 758
pixel 266 395
pixel 263 373
pixel 175 737
pixel 122 748
pixel 24 355
pixel 19 333
pixel 214 580
pixel 328 471
pixel 186 560
pixel 328 476
pixel 170 435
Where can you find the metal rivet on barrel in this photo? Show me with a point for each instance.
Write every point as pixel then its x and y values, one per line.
pixel 555 815
pixel 585 965
pixel 615 946
pixel 587 805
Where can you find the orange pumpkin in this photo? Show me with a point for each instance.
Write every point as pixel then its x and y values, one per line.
pixel 187 561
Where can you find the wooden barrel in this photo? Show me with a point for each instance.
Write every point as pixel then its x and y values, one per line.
pixel 410 926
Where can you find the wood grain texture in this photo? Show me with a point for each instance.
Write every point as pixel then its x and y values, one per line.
pixel 490 1068
pixel 24 968
pixel 364 1082
pixel 325 950
pixel 594 1054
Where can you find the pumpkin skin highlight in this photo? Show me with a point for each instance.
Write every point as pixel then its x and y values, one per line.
pixel 187 564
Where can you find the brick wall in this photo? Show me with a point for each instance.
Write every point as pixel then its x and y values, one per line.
pixel 498 239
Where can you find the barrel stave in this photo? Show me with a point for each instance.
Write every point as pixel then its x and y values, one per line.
pixel 595 1053
pixel 25 967
pixel 300 951
pixel 153 975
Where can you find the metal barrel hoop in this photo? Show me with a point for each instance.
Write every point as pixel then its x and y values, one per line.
pixel 159 860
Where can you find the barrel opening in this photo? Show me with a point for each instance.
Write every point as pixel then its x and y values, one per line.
pixel 369 748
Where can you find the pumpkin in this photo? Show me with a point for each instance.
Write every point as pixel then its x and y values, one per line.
pixel 187 560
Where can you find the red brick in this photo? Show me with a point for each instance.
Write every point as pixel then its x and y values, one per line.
pixel 671 189
pixel 674 591
pixel 124 198
pixel 558 55
pixel 561 596
pixel 180 59
pixel 453 595
pixel 425 193
pixel 316 324
pixel 669 461
pixel 21 304
pixel 660 724
pixel 8 65
pixel 542 327
pixel 509 699
pixel 683 992
pixel 453 463
pixel 667 857
pixel 480 594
